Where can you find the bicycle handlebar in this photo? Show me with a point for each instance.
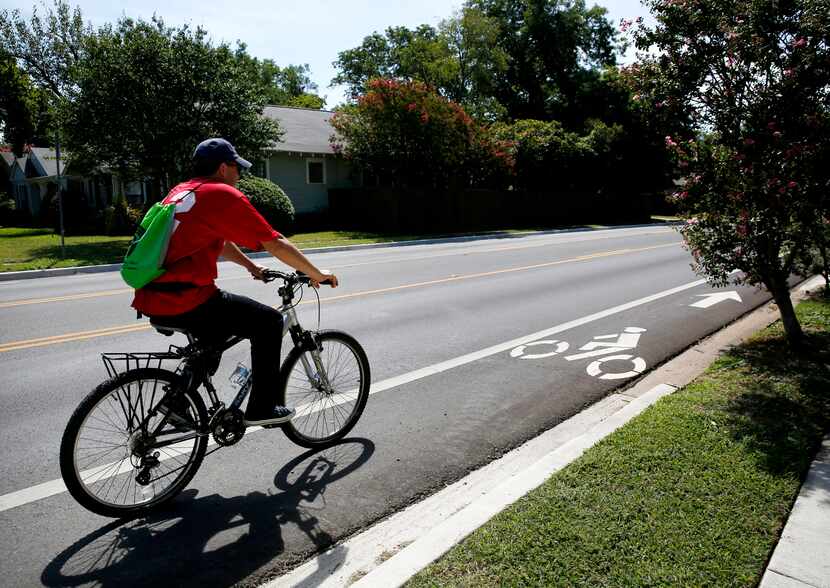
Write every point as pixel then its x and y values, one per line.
pixel 298 277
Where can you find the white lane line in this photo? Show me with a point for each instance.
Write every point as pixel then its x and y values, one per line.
pixel 40 491
pixel 508 345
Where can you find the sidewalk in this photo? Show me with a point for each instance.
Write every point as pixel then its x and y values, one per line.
pixel 802 557
pixel 396 549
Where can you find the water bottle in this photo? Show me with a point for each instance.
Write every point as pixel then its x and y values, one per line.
pixel 239 378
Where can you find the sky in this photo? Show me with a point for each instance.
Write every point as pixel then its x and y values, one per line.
pixel 291 31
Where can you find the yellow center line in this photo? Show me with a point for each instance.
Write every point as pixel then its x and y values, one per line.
pixel 67 297
pixel 80 336
pixel 103 293
pixel 68 337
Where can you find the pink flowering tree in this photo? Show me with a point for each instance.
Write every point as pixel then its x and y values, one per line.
pixel 409 135
pixel 750 83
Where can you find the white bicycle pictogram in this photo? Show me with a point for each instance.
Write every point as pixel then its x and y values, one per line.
pixel 605 347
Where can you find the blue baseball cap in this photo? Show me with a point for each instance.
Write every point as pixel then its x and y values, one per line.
pixel 220 151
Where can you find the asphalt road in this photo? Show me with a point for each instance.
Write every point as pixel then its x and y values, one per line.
pixel 498 322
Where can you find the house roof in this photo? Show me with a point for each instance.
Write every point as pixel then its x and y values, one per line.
pixel 8 158
pixel 306 130
pixel 47 159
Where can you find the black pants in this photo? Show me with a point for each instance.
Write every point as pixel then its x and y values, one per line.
pixel 226 314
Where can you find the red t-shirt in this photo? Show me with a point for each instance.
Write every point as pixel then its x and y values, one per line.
pixel 208 213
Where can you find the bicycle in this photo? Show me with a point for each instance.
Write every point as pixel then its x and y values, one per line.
pixel 138 438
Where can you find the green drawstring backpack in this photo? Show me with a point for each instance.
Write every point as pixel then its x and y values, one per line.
pixel 144 261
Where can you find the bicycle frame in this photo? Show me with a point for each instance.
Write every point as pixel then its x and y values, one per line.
pixel 197 376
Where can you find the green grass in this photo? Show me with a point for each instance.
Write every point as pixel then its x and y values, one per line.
pixel 334 238
pixel 27 249
pixel 693 492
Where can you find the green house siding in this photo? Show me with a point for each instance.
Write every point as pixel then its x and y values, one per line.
pixel 290 172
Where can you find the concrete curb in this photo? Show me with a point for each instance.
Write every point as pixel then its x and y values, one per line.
pixel 94 269
pixel 393 550
pixel 802 556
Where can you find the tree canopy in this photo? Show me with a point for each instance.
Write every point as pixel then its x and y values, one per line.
pixel 136 97
pixel 281 86
pixel 24 108
pixel 752 83
pixel 498 58
pixel 148 93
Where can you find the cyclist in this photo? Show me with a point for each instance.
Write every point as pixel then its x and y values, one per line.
pixel 212 219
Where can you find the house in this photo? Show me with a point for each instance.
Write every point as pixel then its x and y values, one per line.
pixel 33 179
pixel 7 160
pixel 304 163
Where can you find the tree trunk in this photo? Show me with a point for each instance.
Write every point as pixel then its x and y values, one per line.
pixel 781 294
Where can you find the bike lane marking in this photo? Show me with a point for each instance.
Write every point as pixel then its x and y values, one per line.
pixel 67 337
pixel 53 487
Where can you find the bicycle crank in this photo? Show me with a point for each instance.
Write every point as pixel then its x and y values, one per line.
pixel 228 426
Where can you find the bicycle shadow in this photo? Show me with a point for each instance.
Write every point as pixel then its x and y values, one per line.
pixel 201 541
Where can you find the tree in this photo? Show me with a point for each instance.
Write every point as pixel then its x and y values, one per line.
pixel 753 82
pixel 555 49
pixel 458 60
pixel 472 40
pixel 402 54
pixel 407 134
pixel 47 50
pixel 24 108
pixel 147 94
pixel 281 86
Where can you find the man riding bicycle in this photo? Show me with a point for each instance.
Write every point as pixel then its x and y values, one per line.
pixel 213 218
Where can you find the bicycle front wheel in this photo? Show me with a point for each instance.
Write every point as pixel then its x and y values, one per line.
pixel 114 459
pixel 328 388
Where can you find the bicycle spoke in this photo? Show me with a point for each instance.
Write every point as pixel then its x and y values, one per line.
pixel 115 427
pixel 322 414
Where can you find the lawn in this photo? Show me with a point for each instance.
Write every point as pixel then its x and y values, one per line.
pixel 27 249
pixel 693 492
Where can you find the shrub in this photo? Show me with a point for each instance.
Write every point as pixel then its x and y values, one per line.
pixel 406 133
pixel 77 216
pixel 546 155
pixel 9 216
pixel 121 219
pixel 270 200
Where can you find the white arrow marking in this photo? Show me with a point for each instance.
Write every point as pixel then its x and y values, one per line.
pixel 714 298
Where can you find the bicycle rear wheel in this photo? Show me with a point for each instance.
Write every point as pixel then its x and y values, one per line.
pixel 328 401
pixel 107 457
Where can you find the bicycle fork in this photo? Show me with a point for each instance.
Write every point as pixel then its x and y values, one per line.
pixel 304 340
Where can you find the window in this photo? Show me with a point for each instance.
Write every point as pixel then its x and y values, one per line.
pixel 315 171
pixel 259 169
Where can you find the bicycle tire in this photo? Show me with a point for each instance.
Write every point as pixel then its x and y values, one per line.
pixel 111 394
pixel 351 388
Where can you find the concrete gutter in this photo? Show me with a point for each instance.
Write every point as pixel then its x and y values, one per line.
pixel 113 267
